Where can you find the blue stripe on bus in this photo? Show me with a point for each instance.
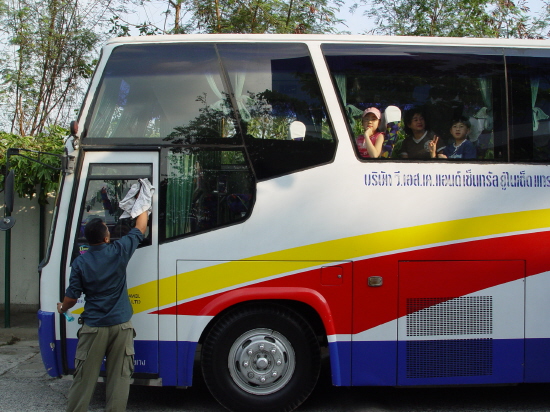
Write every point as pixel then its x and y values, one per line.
pixel 537 360
pixel 168 364
pixel 186 360
pixel 449 362
pixel 374 363
pixel 460 361
pixel 437 362
pixel 340 363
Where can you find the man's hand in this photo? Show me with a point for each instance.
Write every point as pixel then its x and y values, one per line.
pixel 66 305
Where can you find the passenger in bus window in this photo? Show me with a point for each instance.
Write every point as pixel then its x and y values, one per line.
pixel 461 148
pixel 418 139
pixel 370 143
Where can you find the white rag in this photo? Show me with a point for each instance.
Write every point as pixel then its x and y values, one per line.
pixel 133 206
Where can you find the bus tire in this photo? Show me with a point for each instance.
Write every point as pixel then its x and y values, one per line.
pixel 261 358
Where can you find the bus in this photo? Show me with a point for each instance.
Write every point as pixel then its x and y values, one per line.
pixel 273 243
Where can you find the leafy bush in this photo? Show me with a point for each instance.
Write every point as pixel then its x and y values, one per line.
pixel 30 176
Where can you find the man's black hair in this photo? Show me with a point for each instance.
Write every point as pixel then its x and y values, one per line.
pixel 95 231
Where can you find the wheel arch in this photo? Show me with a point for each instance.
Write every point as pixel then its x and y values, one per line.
pixel 305 302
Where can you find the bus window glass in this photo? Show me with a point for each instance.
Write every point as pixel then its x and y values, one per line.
pixel 445 84
pixel 117 169
pixel 280 105
pixel 203 189
pixel 171 91
pixel 107 185
pixel 529 85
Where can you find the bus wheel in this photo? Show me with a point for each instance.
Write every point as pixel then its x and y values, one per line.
pixel 264 358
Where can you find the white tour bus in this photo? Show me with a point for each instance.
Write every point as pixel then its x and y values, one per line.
pixel 273 236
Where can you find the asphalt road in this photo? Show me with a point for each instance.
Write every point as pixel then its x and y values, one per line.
pixel 24 386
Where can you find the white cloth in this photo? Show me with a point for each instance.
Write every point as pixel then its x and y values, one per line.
pixel 133 206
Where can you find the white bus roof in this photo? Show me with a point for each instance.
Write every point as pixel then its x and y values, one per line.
pixel 343 39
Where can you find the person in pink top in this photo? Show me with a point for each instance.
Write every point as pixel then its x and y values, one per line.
pixel 370 143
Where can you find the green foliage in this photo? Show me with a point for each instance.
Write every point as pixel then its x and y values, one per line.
pixel 239 16
pixel 456 18
pixel 30 176
pixel 265 16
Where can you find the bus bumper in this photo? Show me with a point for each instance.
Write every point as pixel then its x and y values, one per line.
pixel 48 345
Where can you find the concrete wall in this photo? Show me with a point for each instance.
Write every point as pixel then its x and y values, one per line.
pixel 24 280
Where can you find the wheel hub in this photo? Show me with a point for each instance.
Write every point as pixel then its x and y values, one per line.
pixel 261 361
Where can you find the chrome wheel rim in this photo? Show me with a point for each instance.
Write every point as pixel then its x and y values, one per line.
pixel 261 361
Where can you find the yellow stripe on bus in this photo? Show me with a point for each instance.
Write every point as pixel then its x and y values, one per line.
pixel 229 274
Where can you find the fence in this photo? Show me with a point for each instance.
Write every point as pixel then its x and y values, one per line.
pixel 25 253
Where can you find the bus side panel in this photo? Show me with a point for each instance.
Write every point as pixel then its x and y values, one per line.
pixel 376 313
pixel 168 353
pixel 186 360
pixel 168 347
pixel 378 364
pixel 445 337
pixel 340 363
pixel 49 347
pixel 460 361
pixel 537 360
pixel 537 327
pixel 326 289
pixel 374 329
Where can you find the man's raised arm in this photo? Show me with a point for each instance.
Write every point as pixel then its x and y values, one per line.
pixel 141 222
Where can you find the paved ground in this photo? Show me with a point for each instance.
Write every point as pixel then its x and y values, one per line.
pixel 25 384
pixel 23 326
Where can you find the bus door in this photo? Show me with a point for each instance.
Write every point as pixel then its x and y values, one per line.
pixel 106 178
pixel 461 322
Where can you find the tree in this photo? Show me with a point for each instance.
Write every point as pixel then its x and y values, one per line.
pixel 455 18
pixel 265 16
pixel 52 45
pixel 32 178
pixel 243 16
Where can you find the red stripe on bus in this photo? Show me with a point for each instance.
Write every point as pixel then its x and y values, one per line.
pixel 520 254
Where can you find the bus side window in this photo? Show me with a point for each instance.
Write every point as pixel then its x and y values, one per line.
pixel 105 188
pixel 446 83
pixel 277 92
pixel 202 190
pixel 529 79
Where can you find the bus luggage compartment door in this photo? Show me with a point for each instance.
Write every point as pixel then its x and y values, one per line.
pixel 461 322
